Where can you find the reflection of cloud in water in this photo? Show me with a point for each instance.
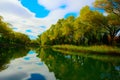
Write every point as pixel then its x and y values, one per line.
pixel 19 67
pixel 22 69
pixel 39 63
pixel 15 76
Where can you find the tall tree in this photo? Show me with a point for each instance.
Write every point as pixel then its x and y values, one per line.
pixel 93 24
pixel 113 26
pixel 110 6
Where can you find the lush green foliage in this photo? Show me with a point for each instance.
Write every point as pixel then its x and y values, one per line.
pixel 103 49
pixel 9 37
pixel 90 28
pixel 111 6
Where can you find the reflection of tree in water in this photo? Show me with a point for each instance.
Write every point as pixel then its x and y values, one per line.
pixel 68 67
pixel 9 53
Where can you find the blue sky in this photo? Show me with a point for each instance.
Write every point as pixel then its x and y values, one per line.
pixel 33 17
pixel 35 7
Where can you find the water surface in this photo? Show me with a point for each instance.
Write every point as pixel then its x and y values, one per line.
pixel 47 64
pixel 27 67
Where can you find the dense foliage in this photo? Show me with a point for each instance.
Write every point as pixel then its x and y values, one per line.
pixel 110 6
pixel 9 37
pixel 89 28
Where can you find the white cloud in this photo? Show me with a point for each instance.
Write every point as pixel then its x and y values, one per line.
pixel 76 5
pixel 57 12
pixel 54 16
pixel 51 4
pixel 71 5
pixel 14 7
pixel 22 19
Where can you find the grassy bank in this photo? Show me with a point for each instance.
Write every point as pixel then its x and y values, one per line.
pixel 109 58
pixel 102 49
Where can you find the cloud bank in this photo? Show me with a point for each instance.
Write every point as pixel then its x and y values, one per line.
pixel 25 21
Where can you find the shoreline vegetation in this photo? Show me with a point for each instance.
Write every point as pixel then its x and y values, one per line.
pixel 103 57
pixel 99 50
pixel 90 27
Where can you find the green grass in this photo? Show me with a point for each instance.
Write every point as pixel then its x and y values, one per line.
pixel 93 56
pixel 102 49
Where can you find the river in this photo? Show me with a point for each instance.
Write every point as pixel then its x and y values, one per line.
pixel 49 64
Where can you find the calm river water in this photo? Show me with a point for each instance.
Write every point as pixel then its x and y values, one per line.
pixel 48 64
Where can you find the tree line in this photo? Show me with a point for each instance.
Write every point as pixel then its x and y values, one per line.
pixel 9 37
pixel 90 28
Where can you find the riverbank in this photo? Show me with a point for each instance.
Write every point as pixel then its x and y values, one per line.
pixel 102 49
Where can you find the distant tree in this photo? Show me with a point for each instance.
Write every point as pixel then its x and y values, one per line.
pixel 8 36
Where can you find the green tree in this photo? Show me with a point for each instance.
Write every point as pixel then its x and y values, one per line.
pixel 67 30
pixel 93 24
pixel 9 37
pixel 110 6
pixel 45 39
pixel 91 27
